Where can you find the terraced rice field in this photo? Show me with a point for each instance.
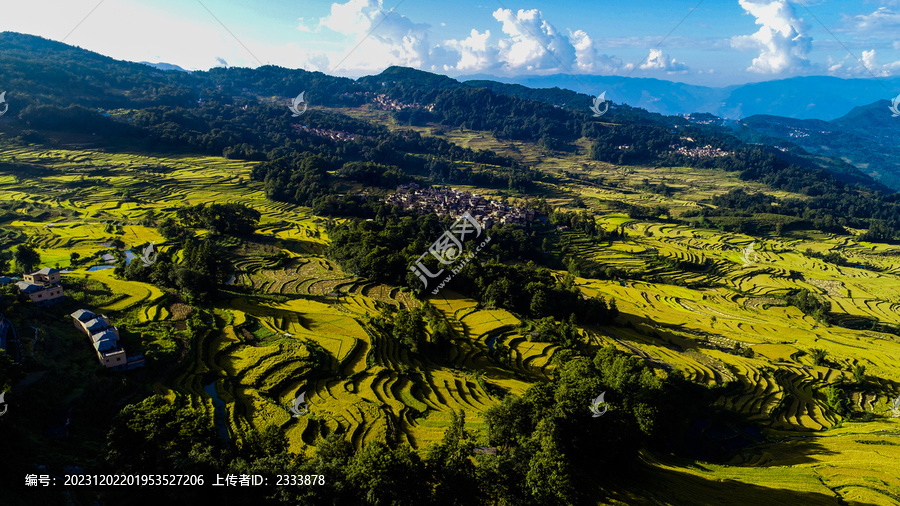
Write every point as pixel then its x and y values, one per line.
pixel 305 325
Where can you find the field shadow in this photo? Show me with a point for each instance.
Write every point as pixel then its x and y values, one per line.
pixel 667 486
pixel 790 450
pixel 308 247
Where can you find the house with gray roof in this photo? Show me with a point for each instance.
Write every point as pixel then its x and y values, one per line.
pixel 83 315
pixel 105 339
pixel 43 287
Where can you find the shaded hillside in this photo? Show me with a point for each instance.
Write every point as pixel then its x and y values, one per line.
pixel 866 138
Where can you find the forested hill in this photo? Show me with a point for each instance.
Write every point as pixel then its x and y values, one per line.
pixel 242 113
pixel 866 136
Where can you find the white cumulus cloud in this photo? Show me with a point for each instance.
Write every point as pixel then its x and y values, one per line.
pixel 532 42
pixel 384 38
pixel 524 41
pixel 781 39
pixel 656 60
pixel 866 66
pixel 589 59
pixel 884 21
pixel 475 54
pixel 528 42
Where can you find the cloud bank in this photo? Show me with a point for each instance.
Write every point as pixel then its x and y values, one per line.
pixel 523 41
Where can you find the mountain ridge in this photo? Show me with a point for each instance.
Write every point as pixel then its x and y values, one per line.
pixel 802 97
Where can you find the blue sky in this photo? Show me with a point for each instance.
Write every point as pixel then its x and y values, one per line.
pixel 721 42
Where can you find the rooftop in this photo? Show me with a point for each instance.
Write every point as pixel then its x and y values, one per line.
pixel 106 344
pixel 96 324
pixel 104 336
pixel 29 287
pixel 83 315
pixel 46 271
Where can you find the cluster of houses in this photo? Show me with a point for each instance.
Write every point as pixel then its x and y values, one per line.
pixel 335 135
pixel 44 287
pixel 704 152
pixel 105 339
pixel 704 118
pixel 381 101
pixel 444 201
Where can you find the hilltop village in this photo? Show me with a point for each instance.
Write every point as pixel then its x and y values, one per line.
pixel 444 201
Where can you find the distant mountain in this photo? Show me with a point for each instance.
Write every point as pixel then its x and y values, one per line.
pixel 866 137
pixel 56 87
pixel 654 95
pixel 761 130
pixel 816 97
pixel 165 66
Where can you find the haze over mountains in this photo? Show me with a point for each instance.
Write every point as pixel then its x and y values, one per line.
pixel 813 97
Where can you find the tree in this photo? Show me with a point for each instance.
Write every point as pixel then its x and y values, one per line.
pixel 451 466
pixel 818 355
pixel 744 351
pixel 231 218
pixel 10 372
pixel 73 258
pixel 441 333
pixel 549 478
pixel 859 373
pixel 148 434
pixel 26 258
pixel 382 476
pixel 171 229
pixel 409 328
pixel 540 303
